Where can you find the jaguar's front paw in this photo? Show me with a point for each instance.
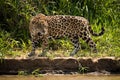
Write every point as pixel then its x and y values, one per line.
pixel 72 54
pixel 95 51
pixel 31 54
pixel 41 55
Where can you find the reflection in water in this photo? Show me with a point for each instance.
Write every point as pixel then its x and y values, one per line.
pixel 61 77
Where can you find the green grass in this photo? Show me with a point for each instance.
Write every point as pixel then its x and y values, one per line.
pixel 15 37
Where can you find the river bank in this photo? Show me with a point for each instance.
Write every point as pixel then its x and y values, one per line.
pixel 61 65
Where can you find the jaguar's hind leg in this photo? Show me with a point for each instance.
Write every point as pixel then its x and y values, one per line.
pixel 75 41
pixel 90 42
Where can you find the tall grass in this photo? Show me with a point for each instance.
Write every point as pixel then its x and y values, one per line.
pixel 15 16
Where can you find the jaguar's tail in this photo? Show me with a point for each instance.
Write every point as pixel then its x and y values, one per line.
pixel 96 34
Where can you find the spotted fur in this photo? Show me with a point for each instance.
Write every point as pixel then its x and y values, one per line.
pixel 57 26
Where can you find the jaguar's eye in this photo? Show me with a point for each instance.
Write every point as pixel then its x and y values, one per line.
pixel 39 34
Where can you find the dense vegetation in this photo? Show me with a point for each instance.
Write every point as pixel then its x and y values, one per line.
pixel 15 16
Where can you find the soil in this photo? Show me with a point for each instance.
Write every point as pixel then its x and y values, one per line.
pixel 61 65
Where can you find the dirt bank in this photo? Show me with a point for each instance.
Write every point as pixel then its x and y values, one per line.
pixel 60 65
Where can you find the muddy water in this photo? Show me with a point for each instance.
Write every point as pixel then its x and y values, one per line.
pixel 61 77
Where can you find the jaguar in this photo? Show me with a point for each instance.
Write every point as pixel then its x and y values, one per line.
pixel 43 27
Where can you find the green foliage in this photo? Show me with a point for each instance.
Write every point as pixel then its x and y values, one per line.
pixel 22 73
pixel 36 72
pixel 7 44
pixel 15 16
pixel 83 69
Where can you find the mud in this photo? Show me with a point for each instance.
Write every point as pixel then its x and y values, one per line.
pixel 61 65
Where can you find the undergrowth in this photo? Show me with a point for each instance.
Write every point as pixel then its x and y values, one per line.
pixel 15 16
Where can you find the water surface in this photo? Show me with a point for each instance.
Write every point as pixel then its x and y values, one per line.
pixel 61 77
